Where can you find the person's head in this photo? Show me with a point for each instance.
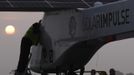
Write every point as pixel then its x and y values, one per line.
pixel 93 72
pixel 112 71
pixel 36 28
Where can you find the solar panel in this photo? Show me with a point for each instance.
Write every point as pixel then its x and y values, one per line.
pixel 4 4
pixel 44 5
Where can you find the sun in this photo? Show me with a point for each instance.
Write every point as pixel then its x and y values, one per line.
pixel 10 29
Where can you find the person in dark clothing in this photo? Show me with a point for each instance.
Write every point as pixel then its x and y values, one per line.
pixel 102 73
pixel 82 71
pixel 112 71
pixel 32 37
pixel 93 72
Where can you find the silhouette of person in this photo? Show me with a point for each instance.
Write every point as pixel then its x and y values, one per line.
pixel 32 37
pixel 93 72
pixel 102 73
pixel 112 71
pixel 82 71
pixel 71 73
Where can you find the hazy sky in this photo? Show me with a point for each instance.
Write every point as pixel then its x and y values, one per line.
pixel 10 44
pixel 118 55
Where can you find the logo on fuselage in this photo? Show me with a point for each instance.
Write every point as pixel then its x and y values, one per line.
pixel 72 26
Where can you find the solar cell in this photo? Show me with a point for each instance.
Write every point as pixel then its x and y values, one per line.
pixel 44 5
pixel 4 4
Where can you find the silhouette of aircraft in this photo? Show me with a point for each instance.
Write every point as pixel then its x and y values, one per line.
pixel 76 35
pixel 71 36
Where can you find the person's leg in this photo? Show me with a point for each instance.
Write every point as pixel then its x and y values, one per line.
pixel 24 53
pixel 82 71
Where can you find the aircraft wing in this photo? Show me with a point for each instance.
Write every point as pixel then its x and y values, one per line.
pixel 45 5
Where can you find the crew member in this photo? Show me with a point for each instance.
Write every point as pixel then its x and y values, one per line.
pixel 32 37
